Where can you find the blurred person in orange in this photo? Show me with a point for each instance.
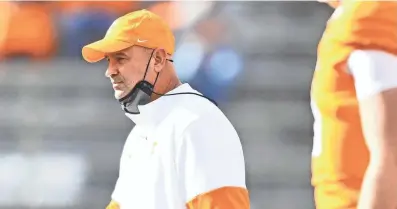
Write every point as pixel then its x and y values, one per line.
pixel 28 30
pixel 183 152
pixel 114 7
pixel 170 12
pixel 6 10
pixel 354 100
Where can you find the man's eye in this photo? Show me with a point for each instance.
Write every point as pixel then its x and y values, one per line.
pixel 119 59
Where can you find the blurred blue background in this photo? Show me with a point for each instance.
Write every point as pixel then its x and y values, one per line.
pixel 61 131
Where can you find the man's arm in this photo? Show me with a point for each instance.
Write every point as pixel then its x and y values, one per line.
pixel 375 75
pixel 210 165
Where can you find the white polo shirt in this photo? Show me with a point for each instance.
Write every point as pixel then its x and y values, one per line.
pixel 182 146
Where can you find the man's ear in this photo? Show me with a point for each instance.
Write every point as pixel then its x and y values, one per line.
pixel 160 57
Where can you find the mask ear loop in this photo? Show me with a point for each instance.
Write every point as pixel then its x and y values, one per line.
pixel 147 68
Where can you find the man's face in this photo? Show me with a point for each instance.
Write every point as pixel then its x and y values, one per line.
pixel 126 68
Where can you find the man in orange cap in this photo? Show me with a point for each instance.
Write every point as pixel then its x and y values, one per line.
pixel 183 152
pixel 354 100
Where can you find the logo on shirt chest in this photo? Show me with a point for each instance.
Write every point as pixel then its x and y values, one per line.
pixel 153 148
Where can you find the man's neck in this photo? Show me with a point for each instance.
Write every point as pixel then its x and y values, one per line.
pixel 173 84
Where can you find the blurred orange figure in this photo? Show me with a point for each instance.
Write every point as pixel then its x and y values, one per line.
pixel 170 12
pixel 6 9
pixel 115 7
pixel 27 29
pixel 180 14
pixel 354 100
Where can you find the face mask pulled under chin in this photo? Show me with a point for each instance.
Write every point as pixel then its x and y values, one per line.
pixel 139 95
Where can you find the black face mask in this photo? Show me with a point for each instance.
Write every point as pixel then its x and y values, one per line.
pixel 139 95
pixel 142 92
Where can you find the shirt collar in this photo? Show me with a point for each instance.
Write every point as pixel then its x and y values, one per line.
pixel 154 112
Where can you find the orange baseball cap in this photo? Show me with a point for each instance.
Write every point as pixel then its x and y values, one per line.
pixel 140 28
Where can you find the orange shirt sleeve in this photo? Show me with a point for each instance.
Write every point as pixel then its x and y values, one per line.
pixel 222 198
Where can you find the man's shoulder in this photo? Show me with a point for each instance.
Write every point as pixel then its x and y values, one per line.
pixel 208 117
pixel 202 109
pixel 197 112
pixel 365 25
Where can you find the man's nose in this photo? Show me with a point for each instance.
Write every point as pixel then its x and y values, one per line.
pixel 111 70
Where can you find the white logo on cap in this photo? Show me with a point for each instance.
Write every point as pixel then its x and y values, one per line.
pixel 141 41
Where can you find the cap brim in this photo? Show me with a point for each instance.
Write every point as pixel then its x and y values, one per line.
pixel 96 51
